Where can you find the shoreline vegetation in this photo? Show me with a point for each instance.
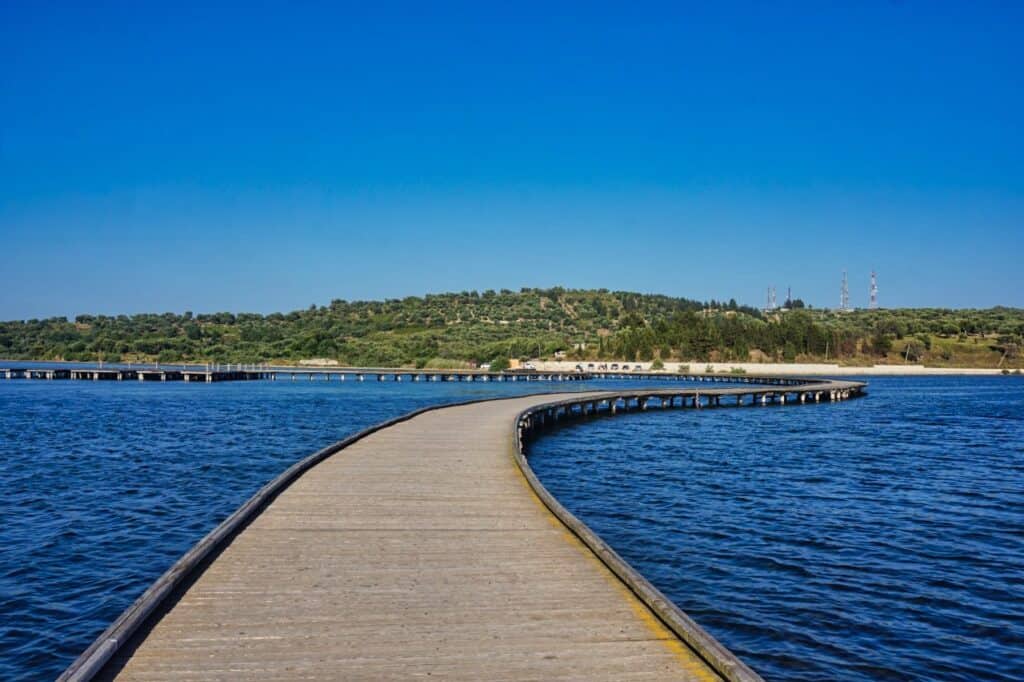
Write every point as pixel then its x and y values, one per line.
pixel 570 327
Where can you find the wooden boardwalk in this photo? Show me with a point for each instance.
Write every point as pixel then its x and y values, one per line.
pixel 425 547
pixel 418 551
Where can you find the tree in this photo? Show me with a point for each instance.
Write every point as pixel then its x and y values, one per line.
pixel 914 350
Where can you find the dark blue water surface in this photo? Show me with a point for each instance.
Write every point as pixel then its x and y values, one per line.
pixel 103 485
pixel 880 538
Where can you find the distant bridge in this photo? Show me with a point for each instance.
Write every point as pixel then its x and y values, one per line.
pixel 255 373
pixel 250 373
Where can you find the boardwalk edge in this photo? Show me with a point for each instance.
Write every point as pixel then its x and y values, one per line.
pixel 720 658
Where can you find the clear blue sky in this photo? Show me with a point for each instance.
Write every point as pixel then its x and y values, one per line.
pixel 175 158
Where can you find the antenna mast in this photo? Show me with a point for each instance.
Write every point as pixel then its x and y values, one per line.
pixel 874 291
pixel 844 295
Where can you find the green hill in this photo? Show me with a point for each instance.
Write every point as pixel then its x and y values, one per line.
pixel 585 324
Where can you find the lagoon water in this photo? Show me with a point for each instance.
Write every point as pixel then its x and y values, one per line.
pixel 103 485
pixel 876 538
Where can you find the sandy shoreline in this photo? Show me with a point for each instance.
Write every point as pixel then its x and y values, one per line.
pixel 815 369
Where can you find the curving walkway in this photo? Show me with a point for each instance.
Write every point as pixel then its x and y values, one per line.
pixel 427 548
pixel 419 551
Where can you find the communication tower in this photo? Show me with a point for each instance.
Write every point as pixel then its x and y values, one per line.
pixel 844 295
pixel 874 291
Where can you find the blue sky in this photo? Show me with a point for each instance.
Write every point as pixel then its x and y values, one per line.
pixel 259 159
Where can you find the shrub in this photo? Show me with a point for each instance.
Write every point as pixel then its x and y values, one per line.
pixel 914 351
pixel 710 369
pixel 657 364
pixel 683 369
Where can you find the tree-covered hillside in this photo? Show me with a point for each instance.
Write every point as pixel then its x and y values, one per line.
pixel 488 326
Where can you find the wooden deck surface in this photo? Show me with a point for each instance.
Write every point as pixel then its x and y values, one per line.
pixel 417 552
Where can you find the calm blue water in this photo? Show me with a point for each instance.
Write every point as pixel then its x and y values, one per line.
pixel 864 540
pixel 103 485
pixel 877 539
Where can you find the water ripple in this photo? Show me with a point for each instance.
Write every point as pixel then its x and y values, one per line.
pixel 878 539
pixel 104 485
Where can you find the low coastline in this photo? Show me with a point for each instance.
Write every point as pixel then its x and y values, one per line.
pixel 669 368
pixel 781 368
